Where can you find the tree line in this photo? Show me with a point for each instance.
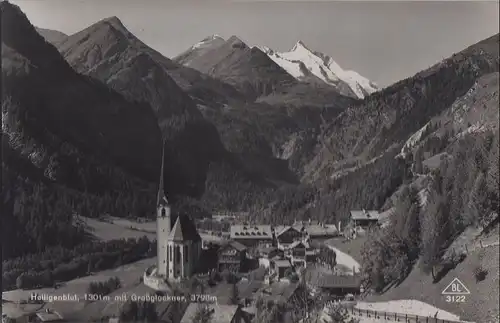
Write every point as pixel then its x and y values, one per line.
pixel 57 264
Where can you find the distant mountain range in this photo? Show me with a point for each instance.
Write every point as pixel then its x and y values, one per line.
pixel 307 65
pixel 211 54
pixel 247 68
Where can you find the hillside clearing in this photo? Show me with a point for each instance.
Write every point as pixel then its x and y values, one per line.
pixel 351 247
pixel 346 260
pixel 480 306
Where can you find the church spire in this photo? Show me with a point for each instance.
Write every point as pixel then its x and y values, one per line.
pixel 162 198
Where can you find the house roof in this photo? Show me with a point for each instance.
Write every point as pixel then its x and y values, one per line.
pixel 49 316
pixel 321 229
pixel 233 244
pixel 365 215
pixel 184 230
pixel 238 246
pixel 282 229
pixel 300 244
pixel 336 281
pixel 257 232
pixel 282 263
pixel 247 289
pixel 220 313
pixel 267 250
pixel 279 291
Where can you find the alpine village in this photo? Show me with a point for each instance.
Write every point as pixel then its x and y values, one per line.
pixel 218 187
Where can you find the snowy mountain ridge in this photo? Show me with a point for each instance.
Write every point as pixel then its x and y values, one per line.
pixel 207 41
pixel 303 63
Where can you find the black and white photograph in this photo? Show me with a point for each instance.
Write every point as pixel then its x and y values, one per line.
pixel 250 161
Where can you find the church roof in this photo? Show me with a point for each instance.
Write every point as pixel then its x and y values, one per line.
pixel 184 230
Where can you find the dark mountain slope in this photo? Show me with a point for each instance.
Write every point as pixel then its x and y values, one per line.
pixel 69 144
pixel 248 69
pixel 389 117
pixel 309 95
pixel 476 112
pixel 109 52
pixel 72 106
pixel 52 36
pixel 94 45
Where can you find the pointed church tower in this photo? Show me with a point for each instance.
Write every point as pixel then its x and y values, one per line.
pixel 163 222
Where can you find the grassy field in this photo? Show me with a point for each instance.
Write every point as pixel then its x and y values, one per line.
pixel 117 228
pixel 350 247
pixel 109 231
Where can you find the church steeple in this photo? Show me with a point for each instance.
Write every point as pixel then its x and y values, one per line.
pixel 162 198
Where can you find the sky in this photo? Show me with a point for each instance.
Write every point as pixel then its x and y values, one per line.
pixel 383 41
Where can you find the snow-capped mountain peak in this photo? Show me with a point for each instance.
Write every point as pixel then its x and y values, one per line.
pixel 300 46
pixel 207 41
pixel 305 64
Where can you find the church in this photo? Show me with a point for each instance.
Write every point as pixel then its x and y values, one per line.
pixel 178 242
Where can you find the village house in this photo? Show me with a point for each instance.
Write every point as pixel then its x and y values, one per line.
pixel 251 291
pixel 336 286
pixel 266 254
pixel 286 235
pixel 251 235
pixel 364 218
pixel 297 252
pixel 279 292
pixel 247 290
pixel 321 231
pixel 280 267
pixel 316 230
pixel 231 256
pixel 219 313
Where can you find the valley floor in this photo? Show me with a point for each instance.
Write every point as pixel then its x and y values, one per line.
pixel 117 228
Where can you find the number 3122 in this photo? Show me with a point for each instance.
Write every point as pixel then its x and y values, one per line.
pixel 455 298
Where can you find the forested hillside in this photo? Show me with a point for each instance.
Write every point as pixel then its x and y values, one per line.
pixel 463 192
pixel 392 115
pixel 357 160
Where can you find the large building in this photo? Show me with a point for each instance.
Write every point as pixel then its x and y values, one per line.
pixel 252 235
pixel 178 242
pixel 364 218
pixel 287 234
